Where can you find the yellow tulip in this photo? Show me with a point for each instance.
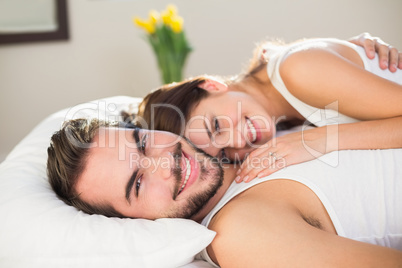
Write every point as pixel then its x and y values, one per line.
pixel 168 14
pixel 177 24
pixel 171 52
pixel 150 27
pixel 153 16
pixel 166 17
pixel 138 22
pixel 172 10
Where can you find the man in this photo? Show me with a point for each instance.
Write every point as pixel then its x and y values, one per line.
pixel 301 216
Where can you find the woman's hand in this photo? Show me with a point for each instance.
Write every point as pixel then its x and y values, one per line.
pixel 389 56
pixel 293 148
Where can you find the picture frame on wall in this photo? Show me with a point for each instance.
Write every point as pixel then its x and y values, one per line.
pixel 23 21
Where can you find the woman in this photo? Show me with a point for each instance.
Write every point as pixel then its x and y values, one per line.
pixel 327 82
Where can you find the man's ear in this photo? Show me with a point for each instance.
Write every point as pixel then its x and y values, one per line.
pixel 212 85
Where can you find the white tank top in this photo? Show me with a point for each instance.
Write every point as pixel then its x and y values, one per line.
pixel 321 117
pixel 360 189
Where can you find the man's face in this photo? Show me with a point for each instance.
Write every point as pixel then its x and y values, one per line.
pixel 148 174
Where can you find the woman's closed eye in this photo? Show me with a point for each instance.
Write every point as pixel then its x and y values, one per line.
pixel 216 125
pixel 222 154
pixel 224 157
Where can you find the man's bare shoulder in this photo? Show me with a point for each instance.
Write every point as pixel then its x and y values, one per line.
pixel 268 198
pixel 272 201
pixel 246 220
pixel 264 226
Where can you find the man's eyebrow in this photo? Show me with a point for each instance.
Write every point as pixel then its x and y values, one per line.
pixel 206 127
pixel 130 183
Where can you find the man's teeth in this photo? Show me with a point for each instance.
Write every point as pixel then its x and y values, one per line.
pixel 188 171
pixel 252 129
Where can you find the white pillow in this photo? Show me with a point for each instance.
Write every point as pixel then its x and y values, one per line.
pixel 39 230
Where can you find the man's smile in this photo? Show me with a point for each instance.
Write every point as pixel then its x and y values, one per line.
pixel 190 172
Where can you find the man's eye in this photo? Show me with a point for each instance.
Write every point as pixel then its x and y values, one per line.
pixel 138 185
pixel 216 125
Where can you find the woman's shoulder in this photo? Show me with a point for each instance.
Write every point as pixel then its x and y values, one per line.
pixel 306 59
pixel 277 53
pixel 318 44
pixel 312 51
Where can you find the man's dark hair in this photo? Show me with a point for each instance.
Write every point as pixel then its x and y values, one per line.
pixel 67 156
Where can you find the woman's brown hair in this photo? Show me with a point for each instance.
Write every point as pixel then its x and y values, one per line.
pixel 169 107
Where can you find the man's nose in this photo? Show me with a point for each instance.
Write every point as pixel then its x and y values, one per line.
pixel 161 166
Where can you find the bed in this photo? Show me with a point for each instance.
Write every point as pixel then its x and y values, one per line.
pixel 39 230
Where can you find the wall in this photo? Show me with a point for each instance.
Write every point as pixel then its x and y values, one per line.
pixel 106 55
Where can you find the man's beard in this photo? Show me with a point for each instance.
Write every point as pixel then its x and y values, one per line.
pixel 211 170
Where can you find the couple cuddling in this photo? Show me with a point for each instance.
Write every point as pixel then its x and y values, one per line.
pixel 227 133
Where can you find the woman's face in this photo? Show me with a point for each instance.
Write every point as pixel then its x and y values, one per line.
pixel 232 121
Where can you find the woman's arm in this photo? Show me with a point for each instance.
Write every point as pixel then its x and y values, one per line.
pixel 320 78
pixel 323 77
pixel 306 145
pixel 375 134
